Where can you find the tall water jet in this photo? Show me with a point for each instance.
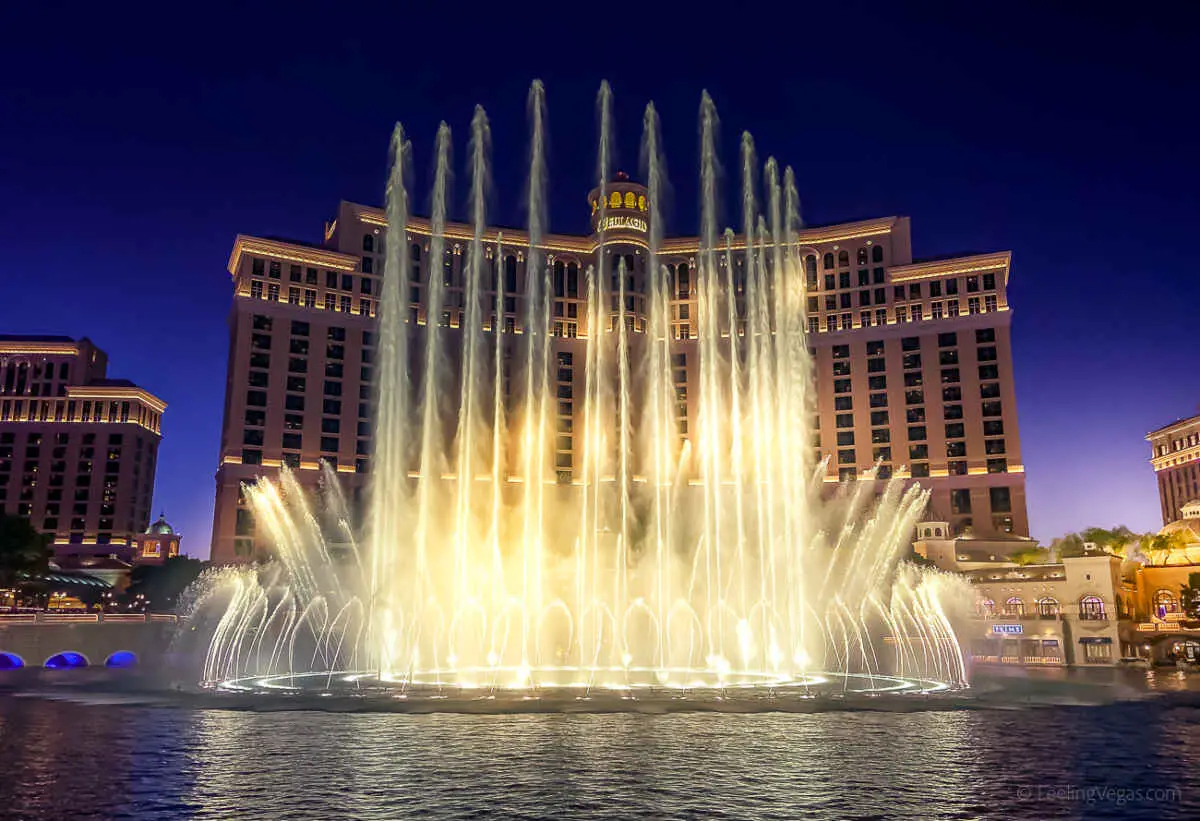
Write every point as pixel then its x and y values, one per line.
pixel 389 516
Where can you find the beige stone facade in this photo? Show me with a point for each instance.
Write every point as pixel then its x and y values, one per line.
pixel 914 361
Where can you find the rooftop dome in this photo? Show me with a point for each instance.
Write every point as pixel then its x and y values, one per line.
pixel 161 527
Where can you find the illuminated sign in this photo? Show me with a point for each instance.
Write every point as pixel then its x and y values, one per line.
pixel 1007 629
pixel 627 223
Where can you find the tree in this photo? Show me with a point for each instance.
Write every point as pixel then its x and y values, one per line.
pixel 1030 555
pixel 160 585
pixel 1114 540
pixel 1162 544
pixel 24 552
pixel 1069 546
pixel 1189 597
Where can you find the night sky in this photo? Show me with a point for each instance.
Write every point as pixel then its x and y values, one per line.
pixel 135 146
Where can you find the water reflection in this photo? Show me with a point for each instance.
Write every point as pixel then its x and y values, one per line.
pixel 105 761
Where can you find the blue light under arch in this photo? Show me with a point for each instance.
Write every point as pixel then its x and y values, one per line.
pixel 67 660
pixel 121 658
pixel 11 661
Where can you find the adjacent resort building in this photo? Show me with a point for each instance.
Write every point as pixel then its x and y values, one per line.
pixel 1097 608
pixel 913 358
pixel 78 450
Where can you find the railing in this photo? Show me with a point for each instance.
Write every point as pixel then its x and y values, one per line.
pixel 86 618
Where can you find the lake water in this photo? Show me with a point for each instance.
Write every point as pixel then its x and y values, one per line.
pixel 94 757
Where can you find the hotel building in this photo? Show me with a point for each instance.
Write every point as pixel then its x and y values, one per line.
pixel 913 358
pixel 77 450
pixel 1175 456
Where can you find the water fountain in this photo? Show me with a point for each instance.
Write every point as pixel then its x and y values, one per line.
pixel 660 565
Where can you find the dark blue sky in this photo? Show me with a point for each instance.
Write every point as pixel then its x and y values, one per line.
pixel 135 143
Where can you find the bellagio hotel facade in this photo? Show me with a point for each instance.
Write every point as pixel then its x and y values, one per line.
pixel 913 358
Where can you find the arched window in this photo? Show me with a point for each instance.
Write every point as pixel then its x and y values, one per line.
pixel 828 262
pixel 862 256
pixel 810 264
pixel 560 272
pixel 416 252
pixel 510 273
pixel 877 253
pixel 843 258
pixel 11 661
pixel 630 199
pixel 121 658
pixel 683 282
pixel 572 279
pixel 1014 607
pixel 1165 602
pixel 1047 607
pixel 368 242
pixel 987 608
pixel 1092 608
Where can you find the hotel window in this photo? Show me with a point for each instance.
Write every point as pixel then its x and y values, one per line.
pixel 841 386
pixel 997 466
pixel 991 390
pixel 251 457
pixel 877 276
pixel 364 307
pixel 901 315
pixel 882 454
pixel 880 296
pixel 875 348
pixel 1092 608
pixel 992 408
pixel 810 271
pixel 329 444
pixel 1047 607
pixel 952 393
pixel 960 501
pixel 345 305
pixel 864 299
pixel 845 300
pixel 293 296
pixel 843 258
pixel 296 384
pixel 273 292
pixel 917 433
pixel 864 319
pixel 827 261
pixel 914 397
pixel 949 375
pixel 310 298
pixel 847 474
pixel 989 303
pixel 299 346
pixel 293 402
pixel 989 372
pixel 844 279
pixel 993 447
pixel 847 322
pixel 256 417
pixel 877 383
pixel 862 256
pixel 935 288
pixel 951 287
pixel 911 361
pixel 993 427
pixel 368 265
pixel 973 305
pixel 955 430
pixel 295 274
pixel 814 325
pixel 275 269
pixel 936 310
pixel 830 302
pixel 879 417
pixel 1014 607
pixel 919 451
pixel 252 437
pixel 877 253
pixel 257 399
pixel 989 282
pixel 310 276
pixel 956 450
pixel 913 379
pixel 831 323
pixel 879 400
pixel 919 470
pixel 952 308
pixel 330 302
pixel 256 289
pixel 830 282
pixel 844 420
pixel 898 292
pixel 843 403
pixel 845 438
pixel 881 316
pixel 972 284
pixel 952 411
pixel 258 267
pixel 881 436
pixel 949 357
pixel 916 313
pixel 846 457
pixel 258 379
pixel 812 306
pixel 331 279
pixel 864 277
